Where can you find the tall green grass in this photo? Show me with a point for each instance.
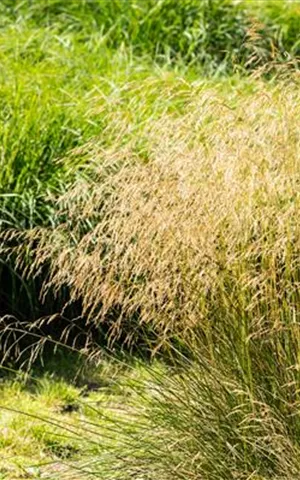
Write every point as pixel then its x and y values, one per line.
pixel 53 56
pixel 209 422
pixel 208 32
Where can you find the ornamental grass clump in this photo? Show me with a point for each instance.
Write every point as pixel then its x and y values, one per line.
pixel 188 228
pixel 184 232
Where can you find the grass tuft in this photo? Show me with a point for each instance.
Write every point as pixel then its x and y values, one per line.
pixel 189 226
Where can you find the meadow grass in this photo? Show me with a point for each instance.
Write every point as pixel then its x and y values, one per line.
pixel 187 218
pixel 60 64
pixel 140 199
pixel 54 58
pixel 185 227
pixel 210 32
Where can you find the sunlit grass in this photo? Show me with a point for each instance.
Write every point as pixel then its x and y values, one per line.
pixel 48 420
pixel 183 229
pixel 150 207
pixel 67 73
pixel 184 216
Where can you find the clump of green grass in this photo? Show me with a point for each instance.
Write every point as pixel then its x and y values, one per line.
pixel 207 422
pixel 209 33
pixel 49 84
